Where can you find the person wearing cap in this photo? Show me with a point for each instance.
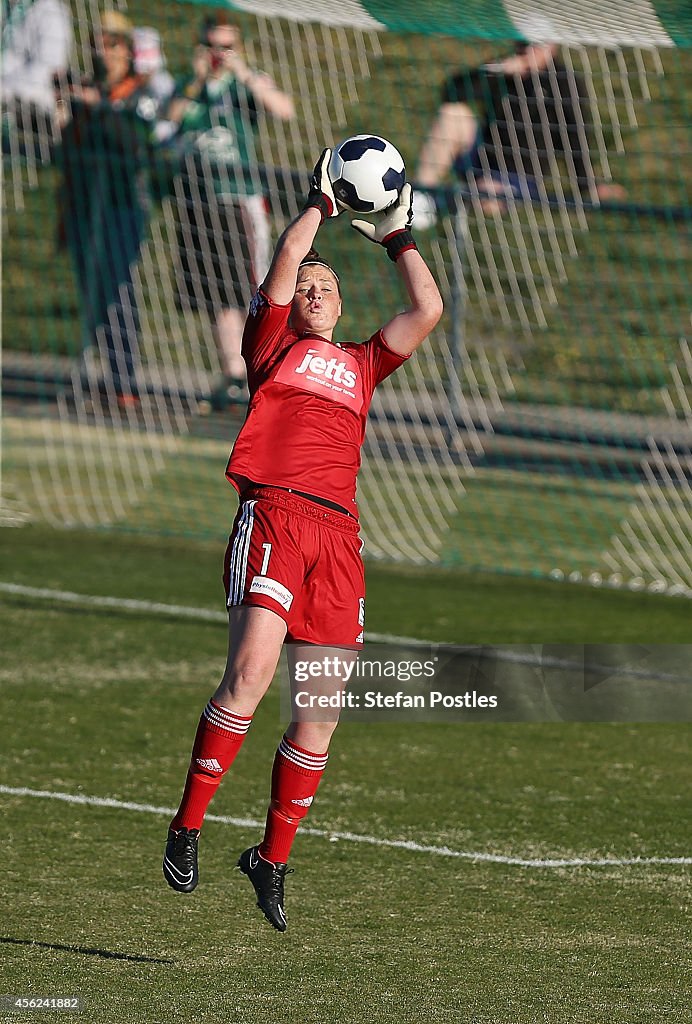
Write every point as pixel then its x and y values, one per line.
pixel 223 233
pixel 501 125
pixel 293 572
pixel 108 119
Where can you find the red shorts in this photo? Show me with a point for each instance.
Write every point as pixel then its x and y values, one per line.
pixel 301 561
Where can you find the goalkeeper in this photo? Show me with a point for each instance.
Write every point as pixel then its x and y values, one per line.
pixel 293 572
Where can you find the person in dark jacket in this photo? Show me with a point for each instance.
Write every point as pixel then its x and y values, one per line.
pixel 502 125
pixel 108 122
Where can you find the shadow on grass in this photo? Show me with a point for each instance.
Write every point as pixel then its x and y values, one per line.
pixel 107 954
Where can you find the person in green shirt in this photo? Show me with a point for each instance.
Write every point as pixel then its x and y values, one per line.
pixel 223 227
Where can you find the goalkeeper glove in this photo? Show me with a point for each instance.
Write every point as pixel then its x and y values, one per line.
pixel 321 194
pixel 393 230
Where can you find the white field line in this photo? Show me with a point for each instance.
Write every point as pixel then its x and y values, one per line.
pixel 123 603
pixel 156 608
pixel 209 615
pixel 353 837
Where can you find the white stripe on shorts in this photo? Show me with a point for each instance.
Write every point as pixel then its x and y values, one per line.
pixel 239 555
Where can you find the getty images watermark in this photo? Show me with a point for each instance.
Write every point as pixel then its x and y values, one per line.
pixel 506 683
pixel 338 680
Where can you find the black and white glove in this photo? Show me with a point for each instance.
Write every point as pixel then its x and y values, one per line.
pixel 393 231
pixel 321 194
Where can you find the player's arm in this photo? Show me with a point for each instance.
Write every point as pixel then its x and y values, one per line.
pixel 296 241
pixel 267 95
pixel 408 329
pixel 280 283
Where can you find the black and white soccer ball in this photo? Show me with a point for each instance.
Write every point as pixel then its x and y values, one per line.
pixel 367 173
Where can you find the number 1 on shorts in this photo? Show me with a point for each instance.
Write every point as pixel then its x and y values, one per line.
pixel 265 560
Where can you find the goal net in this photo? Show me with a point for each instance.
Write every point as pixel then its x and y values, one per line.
pixel 544 428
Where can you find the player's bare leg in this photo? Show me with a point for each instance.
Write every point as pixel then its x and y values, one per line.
pixel 298 767
pixel 255 639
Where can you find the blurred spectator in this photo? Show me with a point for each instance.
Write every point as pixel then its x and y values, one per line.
pixel 149 61
pixel 36 44
pixel 223 226
pixel 501 125
pixel 108 120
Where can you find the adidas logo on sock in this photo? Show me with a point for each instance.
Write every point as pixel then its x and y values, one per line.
pixel 305 802
pixel 211 764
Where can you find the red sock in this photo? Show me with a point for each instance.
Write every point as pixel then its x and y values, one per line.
pixel 295 778
pixel 220 735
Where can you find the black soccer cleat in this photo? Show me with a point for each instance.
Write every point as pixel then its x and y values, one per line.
pixel 268 880
pixel 180 859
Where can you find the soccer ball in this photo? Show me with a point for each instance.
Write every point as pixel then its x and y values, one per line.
pixel 367 173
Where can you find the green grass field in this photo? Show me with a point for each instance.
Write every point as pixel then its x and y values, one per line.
pixel 425 885
pixel 529 522
pixel 103 704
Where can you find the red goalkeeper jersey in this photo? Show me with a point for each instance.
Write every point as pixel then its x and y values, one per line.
pixel 309 401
